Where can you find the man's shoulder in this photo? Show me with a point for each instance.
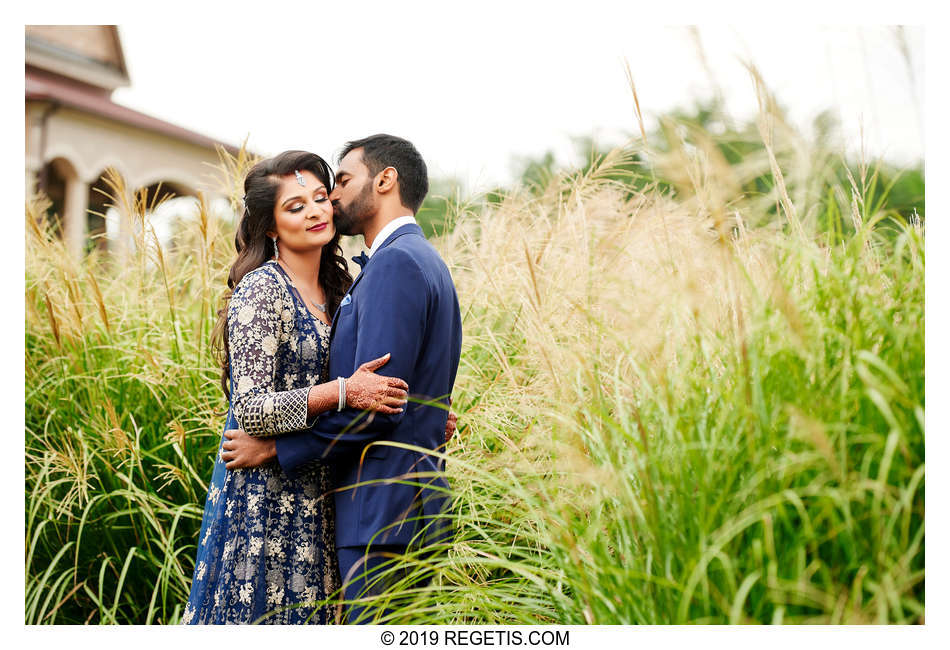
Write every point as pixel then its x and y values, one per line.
pixel 413 248
pixel 397 262
pixel 408 261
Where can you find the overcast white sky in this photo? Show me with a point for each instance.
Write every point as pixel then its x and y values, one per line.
pixel 475 88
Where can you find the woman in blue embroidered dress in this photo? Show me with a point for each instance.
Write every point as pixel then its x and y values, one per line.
pixel 266 548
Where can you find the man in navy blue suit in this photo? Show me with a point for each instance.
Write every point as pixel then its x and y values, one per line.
pixel 403 302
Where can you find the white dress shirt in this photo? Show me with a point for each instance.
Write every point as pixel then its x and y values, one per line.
pixel 387 230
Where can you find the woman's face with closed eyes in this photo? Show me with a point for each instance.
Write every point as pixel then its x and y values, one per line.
pixel 303 216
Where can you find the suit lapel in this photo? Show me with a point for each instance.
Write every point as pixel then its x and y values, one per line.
pixel 399 232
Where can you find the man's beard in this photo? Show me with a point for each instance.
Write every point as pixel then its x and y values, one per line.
pixel 350 220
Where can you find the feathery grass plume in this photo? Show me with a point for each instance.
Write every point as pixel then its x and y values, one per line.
pixel 231 171
pixel 636 98
pixel 767 114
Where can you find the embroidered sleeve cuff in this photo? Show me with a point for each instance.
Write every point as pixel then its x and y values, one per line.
pixel 272 414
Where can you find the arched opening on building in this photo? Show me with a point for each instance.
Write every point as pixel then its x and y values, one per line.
pixel 163 191
pixel 53 180
pixel 170 206
pixel 177 204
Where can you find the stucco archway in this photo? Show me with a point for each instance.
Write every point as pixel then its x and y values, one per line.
pixel 69 194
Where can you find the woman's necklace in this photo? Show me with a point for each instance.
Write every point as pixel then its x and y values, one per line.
pixel 320 306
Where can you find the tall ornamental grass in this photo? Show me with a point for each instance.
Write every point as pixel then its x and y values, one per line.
pixel 681 403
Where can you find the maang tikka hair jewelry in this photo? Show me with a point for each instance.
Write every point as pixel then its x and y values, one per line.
pixel 276 255
pixel 300 179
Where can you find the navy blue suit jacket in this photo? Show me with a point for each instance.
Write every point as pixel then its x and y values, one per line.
pixel 403 302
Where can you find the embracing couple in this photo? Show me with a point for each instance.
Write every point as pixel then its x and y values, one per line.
pixel 322 372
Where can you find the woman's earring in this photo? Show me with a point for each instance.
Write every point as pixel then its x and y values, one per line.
pixel 276 254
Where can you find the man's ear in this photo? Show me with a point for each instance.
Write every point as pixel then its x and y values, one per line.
pixel 386 180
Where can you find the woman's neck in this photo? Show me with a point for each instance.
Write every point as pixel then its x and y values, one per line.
pixel 304 267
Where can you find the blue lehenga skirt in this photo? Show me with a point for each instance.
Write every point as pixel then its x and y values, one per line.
pixel 266 551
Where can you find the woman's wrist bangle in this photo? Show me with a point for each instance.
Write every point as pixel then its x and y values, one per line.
pixel 341 383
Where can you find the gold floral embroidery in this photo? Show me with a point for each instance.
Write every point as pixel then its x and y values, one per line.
pixel 270 537
pixel 258 323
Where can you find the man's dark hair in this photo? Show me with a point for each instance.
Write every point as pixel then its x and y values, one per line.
pixel 381 151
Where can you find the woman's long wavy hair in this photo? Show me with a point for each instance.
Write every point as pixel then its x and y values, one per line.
pixel 254 247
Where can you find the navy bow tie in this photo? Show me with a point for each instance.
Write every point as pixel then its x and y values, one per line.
pixel 361 259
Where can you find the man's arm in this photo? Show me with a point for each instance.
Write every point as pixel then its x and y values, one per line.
pixel 392 318
pixel 364 389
